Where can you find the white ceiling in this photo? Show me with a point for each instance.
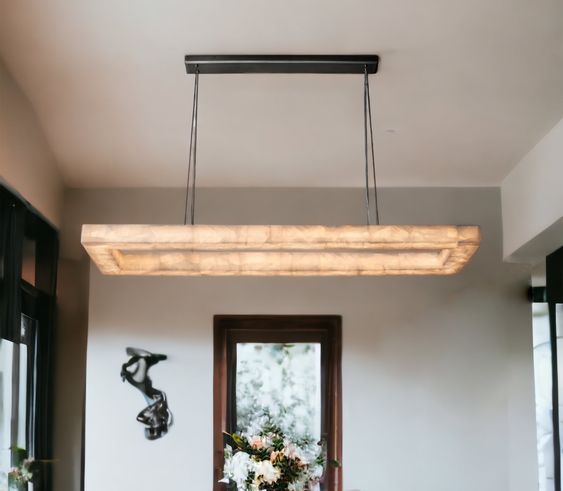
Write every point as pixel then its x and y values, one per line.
pixel 465 89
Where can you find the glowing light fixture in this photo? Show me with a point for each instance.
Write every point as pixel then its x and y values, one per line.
pixel 280 250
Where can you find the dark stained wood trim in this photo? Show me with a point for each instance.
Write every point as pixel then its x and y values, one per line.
pixel 219 400
pixel 335 389
pixel 325 329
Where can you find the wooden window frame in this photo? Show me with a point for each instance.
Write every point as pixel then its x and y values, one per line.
pixel 324 329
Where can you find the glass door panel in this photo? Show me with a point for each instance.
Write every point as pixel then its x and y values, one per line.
pixel 543 393
pixel 559 335
pixel 282 381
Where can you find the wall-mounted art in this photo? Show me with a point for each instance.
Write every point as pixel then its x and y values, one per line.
pixel 156 417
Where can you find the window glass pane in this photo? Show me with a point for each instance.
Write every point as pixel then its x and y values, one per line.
pixel 17 395
pixel 283 380
pixel 20 439
pixel 559 331
pixel 27 385
pixel 6 360
pixel 543 377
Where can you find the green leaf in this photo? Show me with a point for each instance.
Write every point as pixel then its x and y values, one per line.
pixel 334 463
pixel 239 441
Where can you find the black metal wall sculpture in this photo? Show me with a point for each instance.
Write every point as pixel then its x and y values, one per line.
pixel 156 416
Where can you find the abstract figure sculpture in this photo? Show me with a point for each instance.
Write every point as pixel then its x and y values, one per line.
pixel 156 416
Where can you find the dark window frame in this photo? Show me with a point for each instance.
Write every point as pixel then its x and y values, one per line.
pixel 554 296
pixel 18 221
pixel 324 329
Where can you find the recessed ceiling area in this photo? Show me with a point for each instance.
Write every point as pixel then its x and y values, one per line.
pixel 465 89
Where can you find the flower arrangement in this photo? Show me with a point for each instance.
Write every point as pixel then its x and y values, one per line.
pixel 270 461
pixel 25 470
pixel 24 473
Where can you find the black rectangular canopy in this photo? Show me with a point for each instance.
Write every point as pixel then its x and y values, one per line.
pixel 282 64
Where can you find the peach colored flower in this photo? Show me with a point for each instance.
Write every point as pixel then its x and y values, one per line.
pixel 256 442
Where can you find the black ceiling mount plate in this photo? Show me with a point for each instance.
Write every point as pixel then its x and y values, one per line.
pixel 282 63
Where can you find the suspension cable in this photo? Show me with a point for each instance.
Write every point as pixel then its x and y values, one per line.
pixel 192 156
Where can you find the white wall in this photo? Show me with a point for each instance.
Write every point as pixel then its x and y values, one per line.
pixel 26 161
pixel 437 372
pixel 532 201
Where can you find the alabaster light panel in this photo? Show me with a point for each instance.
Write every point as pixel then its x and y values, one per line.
pixel 279 250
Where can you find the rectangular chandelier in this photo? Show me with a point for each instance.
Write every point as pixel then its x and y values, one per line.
pixel 279 250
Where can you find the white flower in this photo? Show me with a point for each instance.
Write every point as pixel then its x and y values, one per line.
pixel 27 475
pixel 298 485
pixel 317 472
pixel 267 471
pixel 237 468
pixel 295 486
pixel 293 452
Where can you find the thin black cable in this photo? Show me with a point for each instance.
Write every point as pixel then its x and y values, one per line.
pixel 195 143
pixel 372 153
pixel 189 160
pixel 192 148
pixel 368 217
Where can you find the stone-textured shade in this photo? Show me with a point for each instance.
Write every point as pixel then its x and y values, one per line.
pixel 279 250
